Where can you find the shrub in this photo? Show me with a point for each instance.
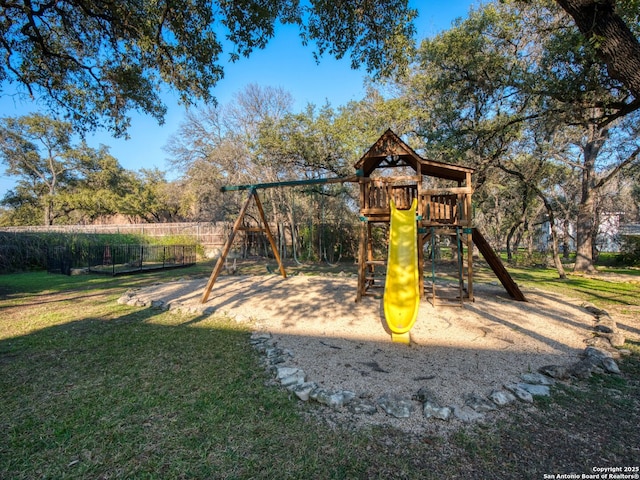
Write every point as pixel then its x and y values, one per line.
pixel 630 251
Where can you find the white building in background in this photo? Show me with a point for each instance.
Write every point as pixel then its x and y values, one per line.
pixel 566 240
pixel 608 239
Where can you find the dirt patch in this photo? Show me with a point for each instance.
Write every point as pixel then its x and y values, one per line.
pixel 341 344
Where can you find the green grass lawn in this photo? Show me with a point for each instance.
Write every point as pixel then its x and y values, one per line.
pixel 91 389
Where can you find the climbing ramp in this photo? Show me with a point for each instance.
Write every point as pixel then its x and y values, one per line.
pixel 497 266
pixel 401 291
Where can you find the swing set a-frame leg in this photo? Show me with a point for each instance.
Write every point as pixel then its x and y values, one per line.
pixel 253 195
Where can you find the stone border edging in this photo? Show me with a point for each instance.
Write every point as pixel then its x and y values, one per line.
pixel 600 355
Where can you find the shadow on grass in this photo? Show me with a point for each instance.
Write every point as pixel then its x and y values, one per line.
pixel 135 396
pixel 149 395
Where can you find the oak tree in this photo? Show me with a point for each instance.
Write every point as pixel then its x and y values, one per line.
pixel 97 60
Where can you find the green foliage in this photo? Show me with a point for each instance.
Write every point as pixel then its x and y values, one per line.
pixel 150 198
pixel 62 183
pixel 516 91
pixel 38 150
pixel 29 251
pixel 96 64
pixel 630 251
pixel 169 240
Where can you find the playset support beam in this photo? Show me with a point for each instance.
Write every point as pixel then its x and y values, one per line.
pixel 290 183
pixel 253 195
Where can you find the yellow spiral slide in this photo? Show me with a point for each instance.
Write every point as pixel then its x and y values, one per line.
pixel 401 289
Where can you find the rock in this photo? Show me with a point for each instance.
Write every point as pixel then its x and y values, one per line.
pixel 362 406
pixel 332 399
pixel 259 337
pixel 536 379
pixel 599 342
pixel 616 339
pixel 261 341
pixel 595 311
pixel 341 398
pixel 597 353
pixel 467 414
pixel 520 393
pixel 535 390
pixel 290 376
pixel 303 390
pixel 282 372
pixel 274 352
pixel 584 368
pixel 159 304
pixel 502 397
pixel 606 324
pixel 320 395
pixel 610 366
pixel 615 354
pixel 479 404
pixel 79 271
pixel 425 395
pixel 275 356
pixel 128 296
pixel 135 302
pixel 436 411
pixel 558 372
pixel 396 405
pixel 624 352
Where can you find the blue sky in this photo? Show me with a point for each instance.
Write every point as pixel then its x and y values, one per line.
pixel 283 63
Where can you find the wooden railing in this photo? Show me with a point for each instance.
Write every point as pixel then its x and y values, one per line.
pixel 444 207
pixel 376 193
pixel 447 206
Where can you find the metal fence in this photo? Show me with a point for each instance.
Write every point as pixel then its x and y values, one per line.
pixel 119 259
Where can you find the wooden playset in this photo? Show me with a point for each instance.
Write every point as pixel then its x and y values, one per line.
pixel 439 192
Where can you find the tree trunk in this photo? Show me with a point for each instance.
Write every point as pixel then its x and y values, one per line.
pixel 584 238
pixel 554 235
pixel 48 207
pixel 554 247
pixel 510 235
pixel 585 224
pixel 565 240
pixel 615 43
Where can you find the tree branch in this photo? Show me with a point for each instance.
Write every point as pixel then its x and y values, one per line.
pixel 613 40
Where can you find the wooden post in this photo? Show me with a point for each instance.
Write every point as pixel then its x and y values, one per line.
pixel 469 219
pixel 371 268
pixel 420 241
pixel 225 250
pixel 362 255
pixel 419 238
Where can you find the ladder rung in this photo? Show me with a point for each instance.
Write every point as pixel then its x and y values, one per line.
pixel 252 229
pixel 376 262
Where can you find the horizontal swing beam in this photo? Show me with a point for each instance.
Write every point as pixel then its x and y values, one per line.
pixel 289 183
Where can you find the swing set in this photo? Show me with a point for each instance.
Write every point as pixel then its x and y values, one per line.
pixel 441 211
